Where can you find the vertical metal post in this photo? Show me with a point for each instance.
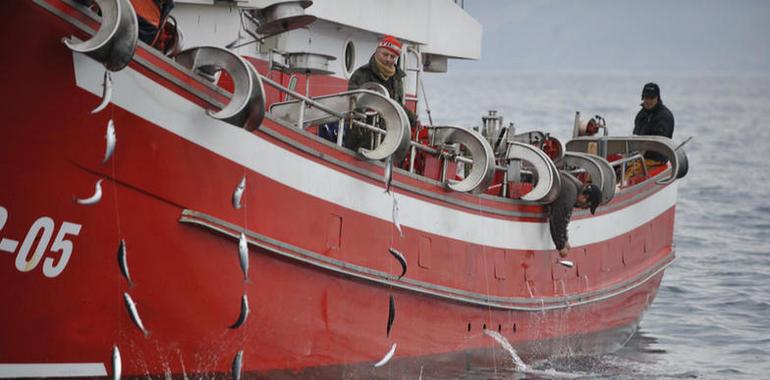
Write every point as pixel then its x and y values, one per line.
pixel 379 135
pixel 443 169
pixel 505 184
pixel 412 158
pixel 340 131
pixel 623 173
pixel 301 119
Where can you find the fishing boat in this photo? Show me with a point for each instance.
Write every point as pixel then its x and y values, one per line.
pixel 177 210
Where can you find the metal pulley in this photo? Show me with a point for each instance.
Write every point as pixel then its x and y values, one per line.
pixel 330 108
pixel 309 63
pixel 548 184
pixel 246 108
pixel 114 43
pixel 627 144
pixel 482 156
pixel 283 17
pixel 601 172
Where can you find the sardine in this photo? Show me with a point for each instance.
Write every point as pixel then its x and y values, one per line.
pixel 388 174
pixel 567 263
pixel 237 365
pixel 238 193
pixel 401 260
pixel 131 306
pixel 94 199
pixel 117 365
pixel 244 313
pixel 391 314
pixel 395 217
pixel 111 140
pixel 123 262
pixel 106 92
pixel 385 359
pixel 243 255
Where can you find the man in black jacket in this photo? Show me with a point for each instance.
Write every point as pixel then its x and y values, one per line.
pixel 573 193
pixel 654 118
pixel 381 69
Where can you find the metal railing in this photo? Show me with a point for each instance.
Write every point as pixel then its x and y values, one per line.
pixel 305 100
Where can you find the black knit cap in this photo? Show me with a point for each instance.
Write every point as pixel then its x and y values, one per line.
pixel 594 196
pixel 651 89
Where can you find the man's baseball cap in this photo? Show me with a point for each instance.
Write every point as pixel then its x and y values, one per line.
pixel 650 90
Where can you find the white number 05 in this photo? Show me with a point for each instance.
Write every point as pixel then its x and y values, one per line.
pixel 46 226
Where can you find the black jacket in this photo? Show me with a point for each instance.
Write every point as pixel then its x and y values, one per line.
pixel 359 137
pixel 560 211
pixel 658 121
pixel 365 74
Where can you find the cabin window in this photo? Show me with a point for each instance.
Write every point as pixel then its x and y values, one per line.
pixel 350 57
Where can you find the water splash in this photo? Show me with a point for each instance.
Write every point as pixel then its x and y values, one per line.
pixel 507 346
pixel 522 367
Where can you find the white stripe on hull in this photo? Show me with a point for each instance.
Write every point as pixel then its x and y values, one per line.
pixel 164 108
pixel 52 370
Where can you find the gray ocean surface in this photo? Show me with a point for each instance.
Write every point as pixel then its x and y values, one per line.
pixel 711 317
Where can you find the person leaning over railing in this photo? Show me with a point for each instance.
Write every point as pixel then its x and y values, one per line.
pixel 573 194
pixel 382 69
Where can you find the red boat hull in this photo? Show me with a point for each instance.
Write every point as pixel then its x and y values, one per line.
pixel 320 273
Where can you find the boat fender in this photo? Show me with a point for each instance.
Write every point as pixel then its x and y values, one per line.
pixel 246 108
pixel 114 43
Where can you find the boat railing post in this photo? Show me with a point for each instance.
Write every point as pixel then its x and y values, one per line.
pixel 377 122
pixel 340 131
pixel 623 172
pixel 301 118
pixel 412 154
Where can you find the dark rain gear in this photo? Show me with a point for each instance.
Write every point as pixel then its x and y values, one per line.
pixel 560 211
pixel 359 137
pixel 658 121
pixel 366 74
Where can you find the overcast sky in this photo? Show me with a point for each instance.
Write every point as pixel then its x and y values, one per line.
pixel 623 36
